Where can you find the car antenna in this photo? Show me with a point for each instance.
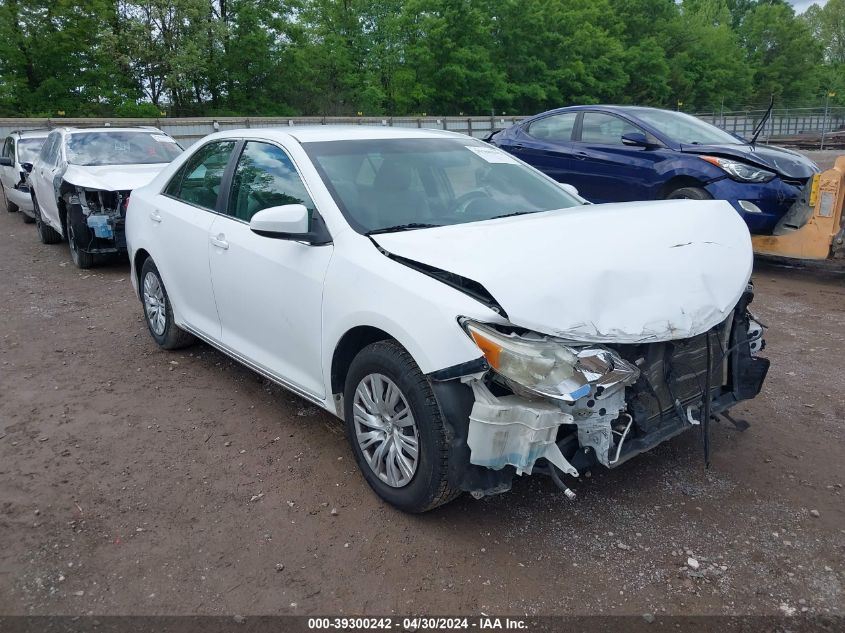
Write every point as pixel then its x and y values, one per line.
pixel 763 121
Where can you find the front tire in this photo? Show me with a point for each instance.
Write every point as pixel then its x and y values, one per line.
pixel 396 429
pixel 689 193
pixel 46 233
pixel 158 312
pixel 82 258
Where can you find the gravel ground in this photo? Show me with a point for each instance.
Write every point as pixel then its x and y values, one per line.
pixel 136 481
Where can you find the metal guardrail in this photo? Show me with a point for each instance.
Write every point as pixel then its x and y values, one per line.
pixel 785 122
pixel 189 130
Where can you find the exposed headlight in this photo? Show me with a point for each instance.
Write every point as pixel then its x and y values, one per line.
pixel 740 171
pixel 550 367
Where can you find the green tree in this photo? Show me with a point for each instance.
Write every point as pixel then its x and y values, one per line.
pixel 786 59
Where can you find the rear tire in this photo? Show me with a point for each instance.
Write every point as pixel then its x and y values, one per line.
pixel 46 233
pixel 383 368
pixel 27 219
pixel 689 193
pixel 158 312
pixel 11 207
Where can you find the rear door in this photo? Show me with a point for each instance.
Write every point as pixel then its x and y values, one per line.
pixel 180 224
pixel 547 145
pixel 44 173
pixel 606 170
pixel 269 291
pixel 6 173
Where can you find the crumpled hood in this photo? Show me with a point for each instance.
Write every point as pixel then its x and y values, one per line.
pixel 784 162
pixel 112 177
pixel 612 273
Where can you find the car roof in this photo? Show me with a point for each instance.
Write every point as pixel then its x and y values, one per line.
pixel 107 128
pixel 34 133
pixel 316 133
pixel 629 109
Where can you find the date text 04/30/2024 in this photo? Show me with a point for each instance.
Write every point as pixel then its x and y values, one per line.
pixel 482 623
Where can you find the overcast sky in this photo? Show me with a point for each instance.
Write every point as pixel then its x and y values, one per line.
pixel 801 5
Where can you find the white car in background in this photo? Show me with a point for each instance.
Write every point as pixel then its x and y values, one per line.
pixel 20 147
pixel 81 183
pixel 468 317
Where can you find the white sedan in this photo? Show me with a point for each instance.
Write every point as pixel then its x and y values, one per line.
pixel 81 181
pixel 468 317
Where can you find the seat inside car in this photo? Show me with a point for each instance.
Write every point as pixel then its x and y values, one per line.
pixel 393 199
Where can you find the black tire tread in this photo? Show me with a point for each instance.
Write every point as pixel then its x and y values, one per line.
pixel 174 336
pixel 46 233
pixel 445 493
pixel 689 193
pixel 11 207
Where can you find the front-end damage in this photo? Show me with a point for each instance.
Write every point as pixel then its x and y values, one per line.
pixel 536 404
pixel 96 218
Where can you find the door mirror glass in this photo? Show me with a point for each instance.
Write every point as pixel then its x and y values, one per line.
pixel 5 161
pixel 636 139
pixel 287 222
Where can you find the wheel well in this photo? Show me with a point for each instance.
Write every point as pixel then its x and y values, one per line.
pixel 347 349
pixel 140 257
pixel 678 182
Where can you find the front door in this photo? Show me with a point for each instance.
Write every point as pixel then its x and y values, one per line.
pixel 269 291
pixel 606 170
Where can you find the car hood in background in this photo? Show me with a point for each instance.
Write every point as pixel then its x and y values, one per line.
pixel 785 162
pixel 112 177
pixel 615 273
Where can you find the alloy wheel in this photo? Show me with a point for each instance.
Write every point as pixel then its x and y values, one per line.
pixel 385 430
pixel 154 303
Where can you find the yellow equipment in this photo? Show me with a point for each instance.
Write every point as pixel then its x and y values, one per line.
pixel 823 236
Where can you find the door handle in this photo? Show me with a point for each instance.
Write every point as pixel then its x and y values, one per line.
pixel 220 241
pixel 155 216
pixel 582 155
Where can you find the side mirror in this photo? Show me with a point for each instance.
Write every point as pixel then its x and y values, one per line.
pixel 289 222
pixel 570 189
pixel 636 139
pixel 5 161
pixel 27 167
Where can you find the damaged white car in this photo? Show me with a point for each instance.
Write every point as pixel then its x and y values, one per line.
pixel 469 318
pixel 81 181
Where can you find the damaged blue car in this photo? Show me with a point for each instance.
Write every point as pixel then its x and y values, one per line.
pixel 626 153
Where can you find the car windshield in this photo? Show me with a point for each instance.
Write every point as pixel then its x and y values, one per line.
pixel 398 184
pixel 28 149
pixel 120 148
pixel 683 128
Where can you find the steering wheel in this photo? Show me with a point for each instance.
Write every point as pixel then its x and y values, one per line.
pixel 463 202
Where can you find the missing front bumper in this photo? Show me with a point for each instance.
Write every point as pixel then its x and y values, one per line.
pixel 497 434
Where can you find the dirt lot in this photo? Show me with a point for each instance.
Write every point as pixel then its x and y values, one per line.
pixel 131 481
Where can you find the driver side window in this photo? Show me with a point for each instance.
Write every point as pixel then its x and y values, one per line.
pixel 265 177
pixel 604 129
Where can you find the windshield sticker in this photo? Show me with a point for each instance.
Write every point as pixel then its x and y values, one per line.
pixel 121 146
pixel 492 155
pixel 161 138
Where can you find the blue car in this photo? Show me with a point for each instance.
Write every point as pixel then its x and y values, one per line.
pixel 623 153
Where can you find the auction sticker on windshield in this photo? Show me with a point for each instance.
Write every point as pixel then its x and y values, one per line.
pixel 492 155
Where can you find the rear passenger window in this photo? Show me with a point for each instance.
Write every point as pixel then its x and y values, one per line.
pixel 265 177
pixel 557 127
pixel 198 181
